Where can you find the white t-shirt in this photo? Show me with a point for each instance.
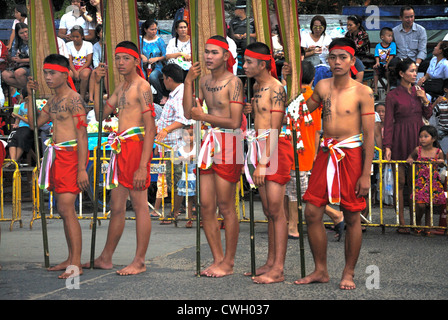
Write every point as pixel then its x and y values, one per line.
pixel 68 21
pixel 79 56
pixel 323 42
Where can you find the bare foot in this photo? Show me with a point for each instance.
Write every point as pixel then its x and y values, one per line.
pixel 204 272
pixel 71 274
pixel 99 263
pixel 316 276
pixel 259 271
pixel 219 271
pixel 132 269
pixel 347 282
pixel 272 276
pixel 59 267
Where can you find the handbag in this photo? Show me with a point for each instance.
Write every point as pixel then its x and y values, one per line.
pixel 434 87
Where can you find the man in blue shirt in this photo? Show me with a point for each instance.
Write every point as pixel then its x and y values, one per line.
pixel 410 37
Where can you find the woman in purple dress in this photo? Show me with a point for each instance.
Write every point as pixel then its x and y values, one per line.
pixel 406 106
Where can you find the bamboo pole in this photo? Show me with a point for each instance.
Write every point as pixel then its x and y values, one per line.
pixel 299 203
pixel 251 192
pixel 195 43
pixel 36 144
pixel 98 149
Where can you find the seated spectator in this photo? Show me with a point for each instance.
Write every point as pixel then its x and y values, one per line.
pixel 316 43
pixel 178 50
pixel 81 53
pixel 62 48
pixel 96 59
pixel 410 37
pixel 75 18
pixel 153 52
pixel 359 35
pixel 92 12
pixel 437 71
pixel 441 112
pixel 21 138
pixel 385 51
pixel 238 32
pixel 16 75
pixel 20 15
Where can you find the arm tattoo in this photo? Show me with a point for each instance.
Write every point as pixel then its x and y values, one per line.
pixel 77 105
pixel 279 97
pixel 326 109
pixel 237 92
pixel 147 96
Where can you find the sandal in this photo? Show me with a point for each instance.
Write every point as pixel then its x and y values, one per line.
pixel 403 230
pixel 417 232
pixel 189 224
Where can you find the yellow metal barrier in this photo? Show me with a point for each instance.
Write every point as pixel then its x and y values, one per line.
pixel 104 163
pixel 16 212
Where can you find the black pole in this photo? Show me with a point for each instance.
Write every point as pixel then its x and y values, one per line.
pixel 299 201
pixel 36 147
pixel 98 149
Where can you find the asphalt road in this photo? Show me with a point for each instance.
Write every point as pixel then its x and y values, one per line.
pixel 390 267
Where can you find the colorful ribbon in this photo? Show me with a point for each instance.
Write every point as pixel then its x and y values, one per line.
pixel 114 141
pixel 337 154
pixel 253 153
pixel 210 147
pixel 50 156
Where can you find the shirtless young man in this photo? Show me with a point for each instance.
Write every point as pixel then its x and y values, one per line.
pixel 65 159
pixel 348 123
pixel 271 174
pixel 222 91
pixel 129 168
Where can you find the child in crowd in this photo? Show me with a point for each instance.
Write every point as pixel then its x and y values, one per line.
pixel 384 53
pixel 21 138
pixel 428 150
pixel 186 187
pixel 441 112
pixel 81 53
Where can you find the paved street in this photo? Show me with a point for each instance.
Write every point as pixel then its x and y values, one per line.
pixel 398 267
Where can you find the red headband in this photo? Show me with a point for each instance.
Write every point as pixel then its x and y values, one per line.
pixel 231 61
pixel 349 50
pixel 263 57
pixel 134 54
pixel 62 69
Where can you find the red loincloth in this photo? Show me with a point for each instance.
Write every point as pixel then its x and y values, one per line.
pixel 350 169
pixel 128 161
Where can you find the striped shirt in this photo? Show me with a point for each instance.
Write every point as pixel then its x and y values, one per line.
pixel 441 111
pixel 173 111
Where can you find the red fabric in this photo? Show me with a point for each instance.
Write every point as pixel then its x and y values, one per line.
pixel 128 161
pixel 2 153
pixel 350 170
pixel 263 57
pixel 231 61
pixel 62 69
pixel 227 166
pixel 281 162
pixel 64 172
